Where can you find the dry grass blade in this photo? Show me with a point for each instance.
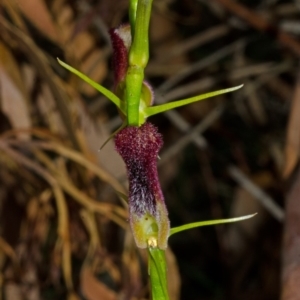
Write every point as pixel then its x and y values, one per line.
pixel 188 137
pixel 259 194
pixel 13 94
pixel 110 211
pixel 8 250
pixel 92 288
pixel 291 244
pixel 261 24
pixel 36 11
pixel 14 13
pixel 63 233
pixel 200 65
pixel 78 158
pixel 23 160
pixel 174 281
pixel 63 230
pixel 60 174
pixel 193 42
pixel 38 59
pixel 132 271
pixel 292 146
pixel 89 220
pixel 66 152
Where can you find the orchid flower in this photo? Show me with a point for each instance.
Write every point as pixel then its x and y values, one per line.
pixel 138 142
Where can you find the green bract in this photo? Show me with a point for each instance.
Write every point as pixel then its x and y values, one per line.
pixel 136 108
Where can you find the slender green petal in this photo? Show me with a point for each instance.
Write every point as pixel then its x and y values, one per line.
pixel 111 96
pixel 153 110
pixel 210 222
pixel 158 274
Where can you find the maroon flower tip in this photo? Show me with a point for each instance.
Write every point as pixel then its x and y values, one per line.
pixel 121 41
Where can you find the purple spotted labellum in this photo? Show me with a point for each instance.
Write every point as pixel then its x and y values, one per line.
pixel 139 147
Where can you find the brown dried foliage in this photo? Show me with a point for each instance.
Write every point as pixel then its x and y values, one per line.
pixel 63 228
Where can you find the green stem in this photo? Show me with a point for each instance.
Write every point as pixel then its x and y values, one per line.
pixel 138 59
pixel 132 14
pixel 139 50
pixel 158 274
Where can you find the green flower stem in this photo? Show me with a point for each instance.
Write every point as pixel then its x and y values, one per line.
pixel 138 59
pixel 134 80
pixel 158 274
pixel 139 50
pixel 132 14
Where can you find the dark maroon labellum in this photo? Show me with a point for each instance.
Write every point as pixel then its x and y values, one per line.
pixel 139 147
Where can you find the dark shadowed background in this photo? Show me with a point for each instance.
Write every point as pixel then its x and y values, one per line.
pixel 63 228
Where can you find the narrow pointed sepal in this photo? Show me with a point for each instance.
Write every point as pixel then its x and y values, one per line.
pixel 113 134
pixel 107 93
pixel 153 110
pixel 210 222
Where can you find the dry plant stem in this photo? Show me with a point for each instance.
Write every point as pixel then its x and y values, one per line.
pixel 63 231
pixel 107 210
pixel 266 201
pixel 132 258
pixel 80 159
pixel 291 244
pixel 189 70
pixel 210 81
pixel 60 174
pixel 260 23
pixel 39 60
pixel 13 11
pixel 74 156
pixel 188 137
pixel 8 250
pixel 193 42
pixel 292 146
pixel 89 221
pixel 64 235
pixel 98 23
pixel 23 160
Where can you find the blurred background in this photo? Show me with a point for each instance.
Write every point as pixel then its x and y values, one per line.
pixel 63 225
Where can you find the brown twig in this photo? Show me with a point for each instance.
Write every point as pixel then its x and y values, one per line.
pixel 38 59
pixel 261 24
pixel 291 245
